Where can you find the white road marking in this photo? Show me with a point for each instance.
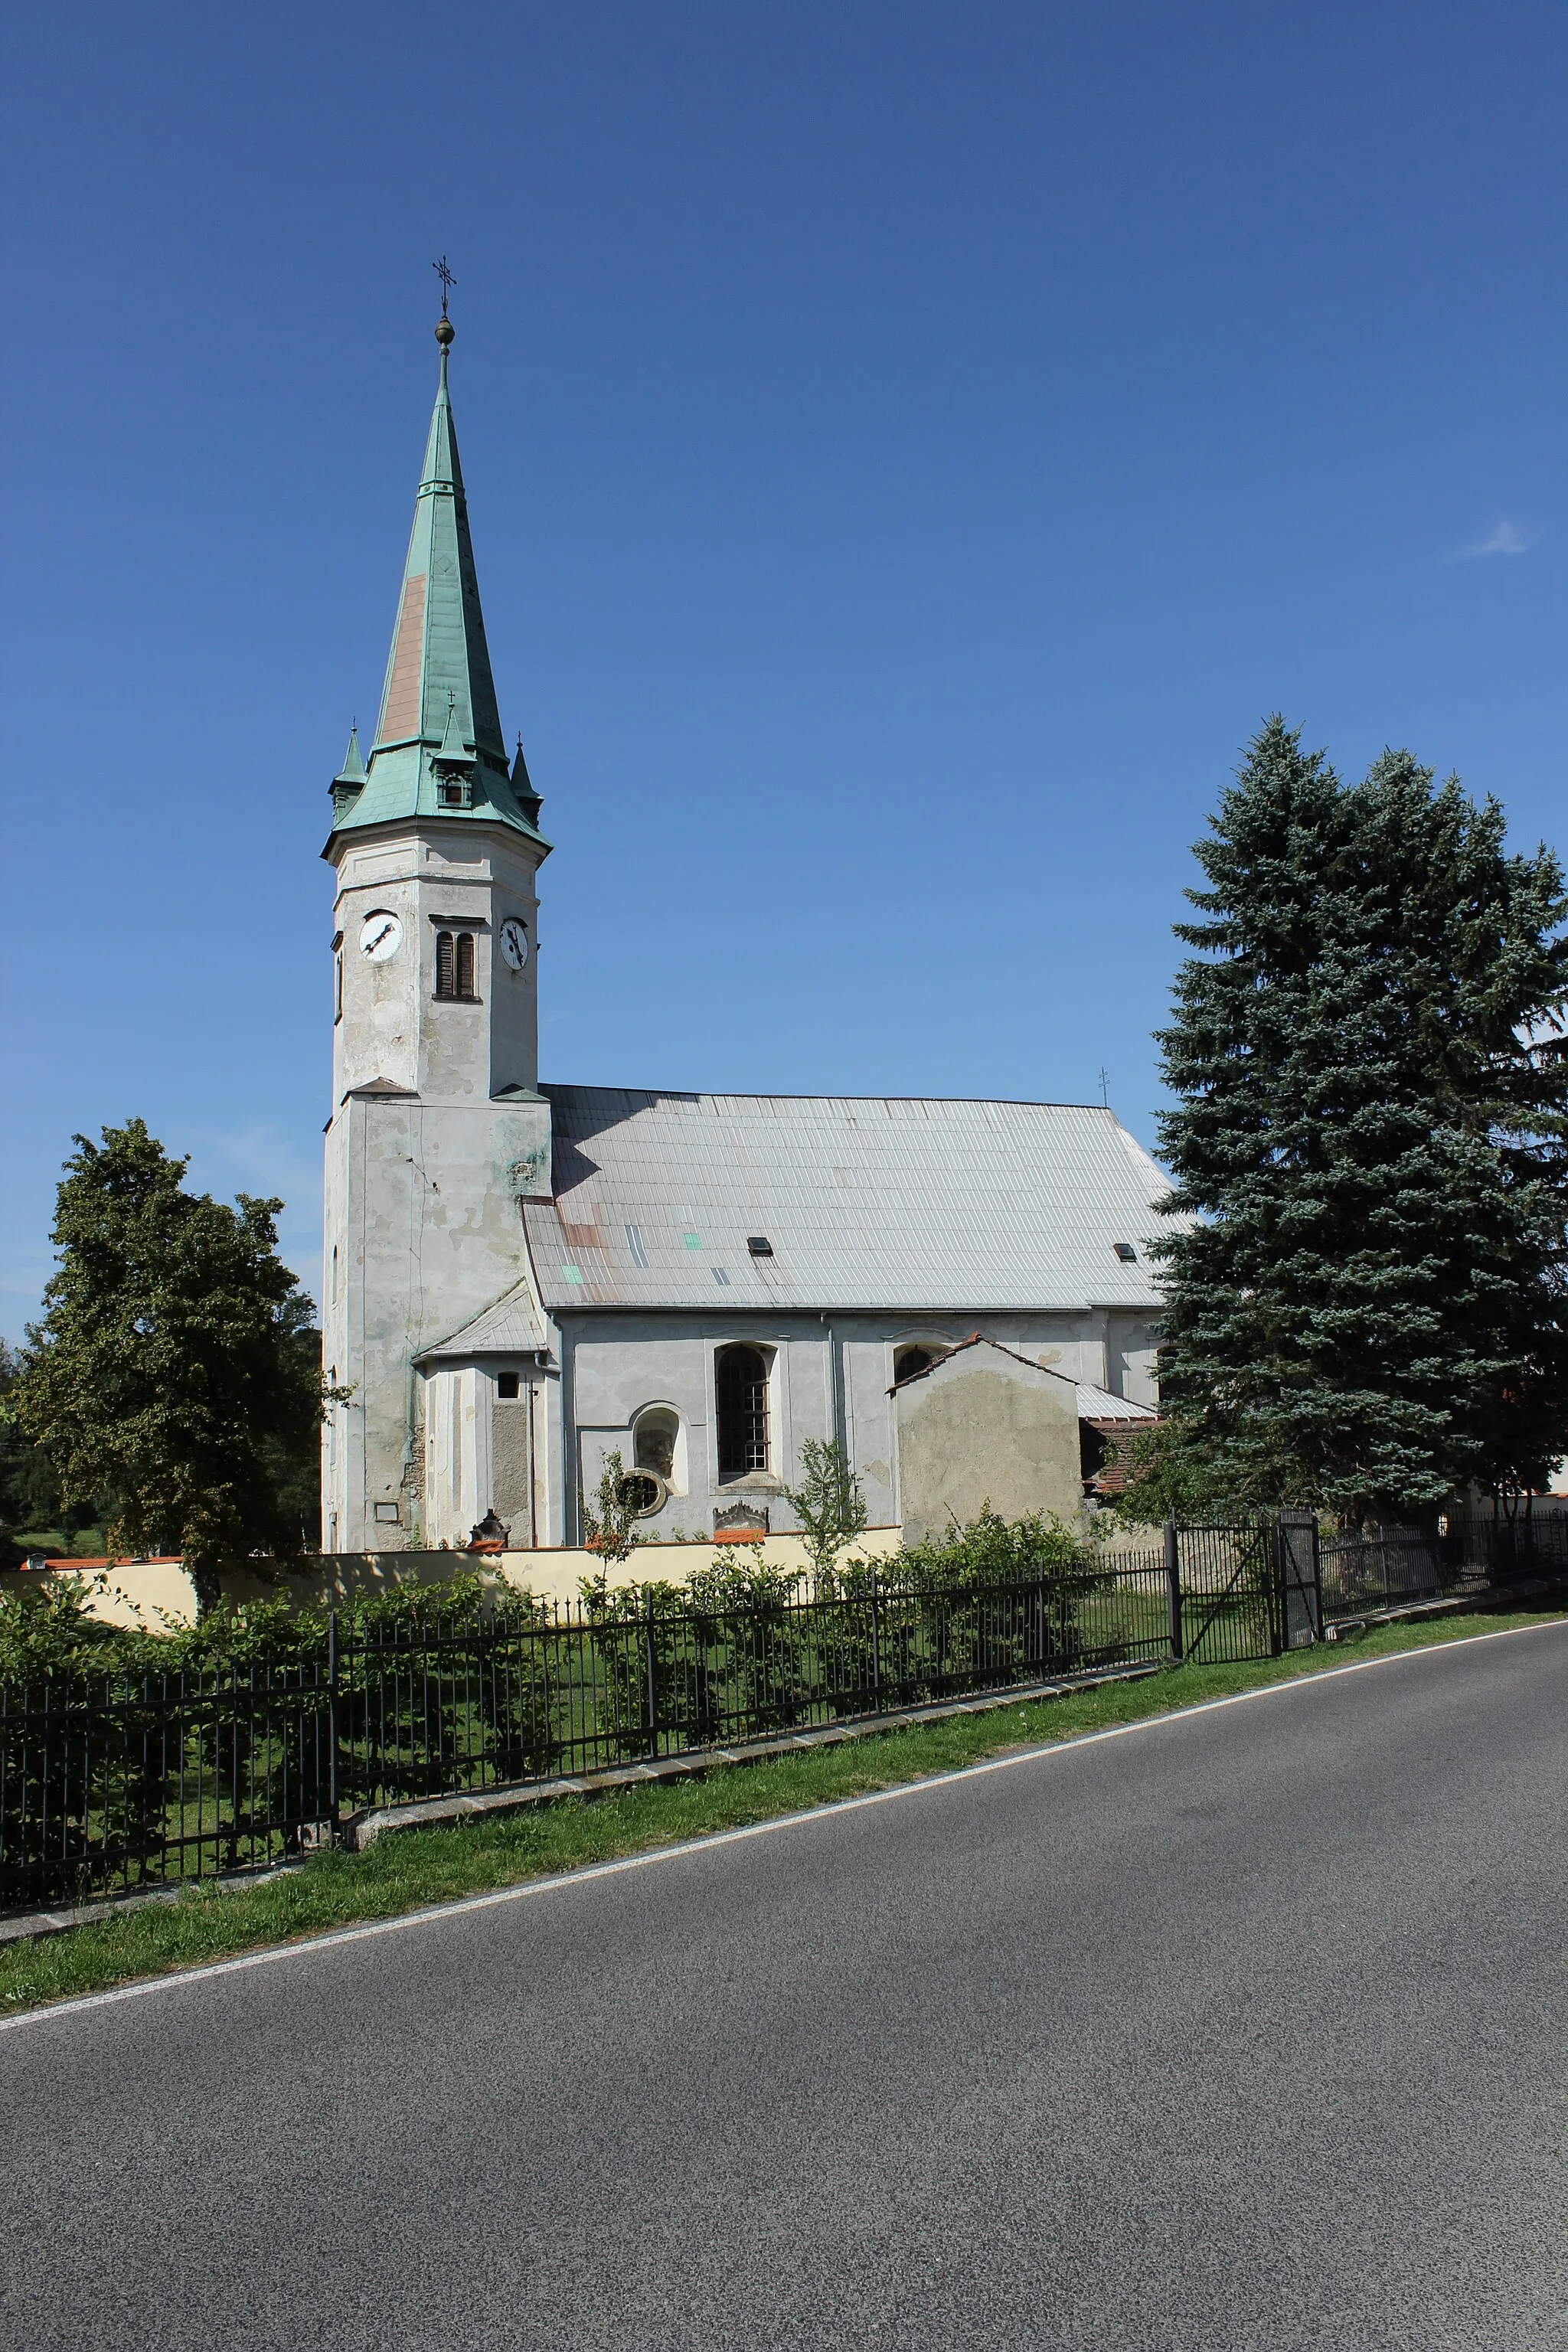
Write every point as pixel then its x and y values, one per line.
pixel 533 1887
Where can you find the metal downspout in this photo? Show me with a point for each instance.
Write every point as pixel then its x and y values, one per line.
pixel 835 1388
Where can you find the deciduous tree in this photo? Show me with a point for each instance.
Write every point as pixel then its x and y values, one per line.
pixel 174 1368
pixel 611 1530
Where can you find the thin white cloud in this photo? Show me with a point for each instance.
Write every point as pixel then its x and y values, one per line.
pixel 1507 539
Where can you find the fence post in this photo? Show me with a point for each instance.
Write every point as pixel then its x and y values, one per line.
pixel 652 1675
pixel 875 1643
pixel 333 1803
pixel 1173 1586
pixel 1277 1603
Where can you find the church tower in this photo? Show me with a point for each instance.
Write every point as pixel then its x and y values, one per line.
pixel 439 1131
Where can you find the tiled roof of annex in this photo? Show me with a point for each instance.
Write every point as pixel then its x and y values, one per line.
pixel 864 1202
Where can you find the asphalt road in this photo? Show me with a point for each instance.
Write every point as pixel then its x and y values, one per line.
pixel 1249 2028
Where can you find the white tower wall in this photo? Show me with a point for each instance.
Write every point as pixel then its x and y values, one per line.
pixel 438 1133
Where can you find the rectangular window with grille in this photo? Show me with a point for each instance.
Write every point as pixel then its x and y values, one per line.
pixel 741 1394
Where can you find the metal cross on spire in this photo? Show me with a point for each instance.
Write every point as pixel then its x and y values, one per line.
pixel 447 279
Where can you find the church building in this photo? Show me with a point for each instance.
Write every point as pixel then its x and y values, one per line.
pixel 521 1276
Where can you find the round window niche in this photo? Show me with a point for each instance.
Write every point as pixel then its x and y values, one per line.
pixel 645 1490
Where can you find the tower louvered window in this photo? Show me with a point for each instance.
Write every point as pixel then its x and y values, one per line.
pixel 454 965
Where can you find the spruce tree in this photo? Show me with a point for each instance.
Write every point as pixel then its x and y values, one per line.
pixel 1365 1280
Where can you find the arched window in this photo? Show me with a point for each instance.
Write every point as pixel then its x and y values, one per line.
pixel 656 1431
pixel 908 1361
pixel 455 965
pixel 741 1390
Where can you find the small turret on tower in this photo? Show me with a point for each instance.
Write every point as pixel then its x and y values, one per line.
pixel 349 781
pixel 528 800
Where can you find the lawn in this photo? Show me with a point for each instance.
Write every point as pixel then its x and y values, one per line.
pixel 410 1869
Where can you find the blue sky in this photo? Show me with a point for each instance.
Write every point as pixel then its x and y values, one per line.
pixel 908 451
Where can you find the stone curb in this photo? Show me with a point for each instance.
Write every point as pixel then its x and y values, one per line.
pixel 361 1830
pixel 32 1924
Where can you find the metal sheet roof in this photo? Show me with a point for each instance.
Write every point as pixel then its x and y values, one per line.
pixel 1098 1404
pixel 509 1328
pixel 867 1203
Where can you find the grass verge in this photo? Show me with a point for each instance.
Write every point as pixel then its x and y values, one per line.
pixel 405 1871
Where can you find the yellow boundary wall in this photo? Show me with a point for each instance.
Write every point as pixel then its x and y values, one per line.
pixel 158 1595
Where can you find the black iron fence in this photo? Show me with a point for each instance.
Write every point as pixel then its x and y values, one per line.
pixel 127 1778
pixel 1387 1567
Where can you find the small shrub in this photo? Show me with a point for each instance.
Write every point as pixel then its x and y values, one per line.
pixel 827 1503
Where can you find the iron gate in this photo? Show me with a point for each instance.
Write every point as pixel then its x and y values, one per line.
pixel 1299 1580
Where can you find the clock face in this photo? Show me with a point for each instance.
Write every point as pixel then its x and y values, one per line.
pixel 381 936
pixel 514 943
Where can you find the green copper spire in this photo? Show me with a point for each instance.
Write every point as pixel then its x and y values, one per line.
pixel 438 747
pixel 353 769
pixel 439 650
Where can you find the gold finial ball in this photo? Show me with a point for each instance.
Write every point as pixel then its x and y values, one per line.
pixel 446 334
